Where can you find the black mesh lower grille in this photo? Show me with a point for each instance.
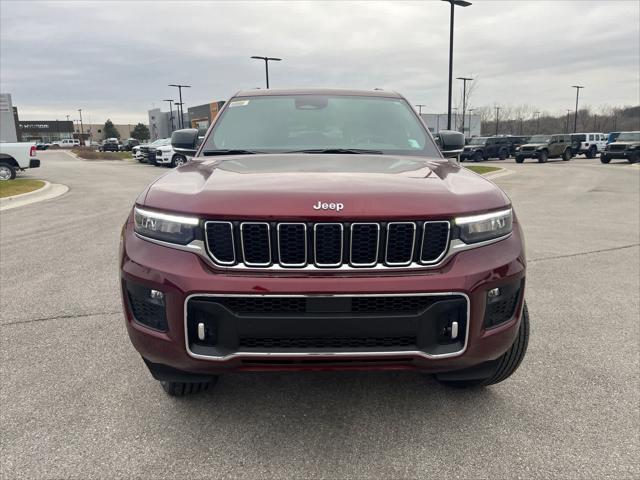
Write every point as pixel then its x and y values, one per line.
pixel 263 305
pixel 399 305
pixel 325 342
pixel 435 240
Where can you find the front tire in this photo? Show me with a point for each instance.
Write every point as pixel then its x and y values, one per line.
pixel 7 172
pixel 502 155
pixel 177 161
pixel 591 153
pixel 180 389
pixel 505 365
pixel 633 158
pixel 604 158
pixel 477 157
pixel 566 155
pixel 542 157
pixel 519 159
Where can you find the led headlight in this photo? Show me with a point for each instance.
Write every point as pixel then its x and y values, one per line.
pixel 479 228
pixel 165 226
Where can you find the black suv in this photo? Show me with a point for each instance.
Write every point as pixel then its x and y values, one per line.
pixel 627 146
pixel 484 148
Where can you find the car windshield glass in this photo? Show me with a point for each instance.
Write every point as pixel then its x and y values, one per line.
pixel 160 142
pixel 539 139
pixel 318 123
pixel 478 141
pixel 629 137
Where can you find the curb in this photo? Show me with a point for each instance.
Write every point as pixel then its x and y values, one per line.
pixel 503 172
pixel 47 192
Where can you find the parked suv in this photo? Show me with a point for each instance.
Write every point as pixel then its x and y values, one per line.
pixel 544 147
pixel 626 146
pixel 484 148
pixel 323 229
pixel 128 144
pixel 66 143
pixel 110 145
pixel 589 144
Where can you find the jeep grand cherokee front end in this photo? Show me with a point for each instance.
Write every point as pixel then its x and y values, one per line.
pixel 317 230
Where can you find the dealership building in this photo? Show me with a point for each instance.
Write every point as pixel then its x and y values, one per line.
pixel 161 124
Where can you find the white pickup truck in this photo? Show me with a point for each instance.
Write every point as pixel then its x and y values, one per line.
pixel 16 156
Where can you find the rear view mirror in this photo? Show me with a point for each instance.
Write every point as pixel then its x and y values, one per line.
pixel 185 141
pixel 451 143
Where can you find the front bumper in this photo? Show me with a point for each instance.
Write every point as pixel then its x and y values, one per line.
pixel 161 160
pixel 620 154
pixel 527 153
pixel 182 276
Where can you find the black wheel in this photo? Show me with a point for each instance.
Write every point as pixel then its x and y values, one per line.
pixel 180 389
pixel 633 158
pixel 502 155
pixel 500 369
pixel 178 160
pixel 519 159
pixel 542 157
pixel 566 155
pixel 477 157
pixel 591 153
pixel 7 172
pixel 604 158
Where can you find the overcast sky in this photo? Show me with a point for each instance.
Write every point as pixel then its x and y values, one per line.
pixel 115 58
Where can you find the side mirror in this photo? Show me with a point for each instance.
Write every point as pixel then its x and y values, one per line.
pixel 451 143
pixel 185 141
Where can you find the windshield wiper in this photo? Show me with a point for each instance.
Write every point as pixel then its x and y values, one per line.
pixel 338 150
pixel 207 153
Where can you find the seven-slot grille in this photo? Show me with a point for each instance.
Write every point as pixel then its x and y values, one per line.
pixel 326 245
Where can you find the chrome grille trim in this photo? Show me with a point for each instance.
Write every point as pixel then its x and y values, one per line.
pixel 233 243
pixel 315 244
pixel 306 247
pixel 444 252
pixel 375 261
pixel 242 242
pixel 413 245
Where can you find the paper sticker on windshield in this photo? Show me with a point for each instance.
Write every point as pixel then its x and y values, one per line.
pixel 239 103
pixel 413 143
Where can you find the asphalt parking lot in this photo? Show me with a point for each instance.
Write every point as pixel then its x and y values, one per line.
pixel 77 402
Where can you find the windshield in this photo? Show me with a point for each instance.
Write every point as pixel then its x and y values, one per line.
pixel 161 141
pixel 629 137
pixel 289 123
pixel 539 139
pixel 478 141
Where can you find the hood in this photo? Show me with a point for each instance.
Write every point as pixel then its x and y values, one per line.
pixel 626 143
pixel 289 186
pixel 536 145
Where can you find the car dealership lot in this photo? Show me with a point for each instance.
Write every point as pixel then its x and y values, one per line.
pixel 76 400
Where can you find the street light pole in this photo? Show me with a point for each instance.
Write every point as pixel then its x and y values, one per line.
pixel 180 87
pixel 566 127
pixel 420 105
pixel 464 97
pixel 575 118
pixel 497 118
pixel 470 110
pixel 170 100
pixel 266 65
pixel 178 106
pixel 460 3
pixel 81 128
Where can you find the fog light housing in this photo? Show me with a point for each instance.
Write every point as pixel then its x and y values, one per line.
pixel 147 306
pixel 502 303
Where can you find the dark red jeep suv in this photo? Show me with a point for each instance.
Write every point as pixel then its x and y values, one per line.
pixel 323 230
